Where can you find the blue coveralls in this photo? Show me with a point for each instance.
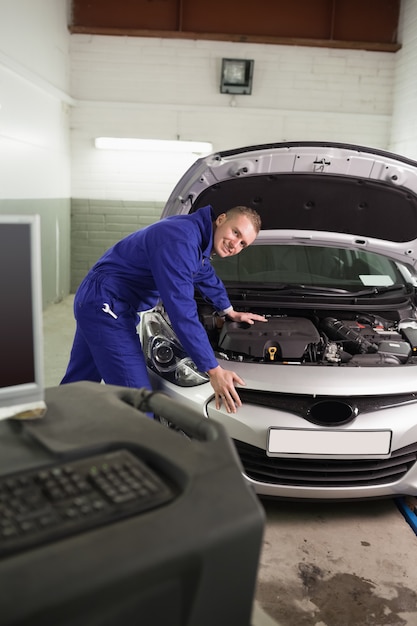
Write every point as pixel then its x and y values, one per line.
pixel 165 260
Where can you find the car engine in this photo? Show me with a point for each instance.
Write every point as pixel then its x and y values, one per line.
pixel 357 341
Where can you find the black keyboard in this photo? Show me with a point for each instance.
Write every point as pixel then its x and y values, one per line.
pixel 54 502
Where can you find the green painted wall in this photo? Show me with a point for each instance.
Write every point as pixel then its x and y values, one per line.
pixel 55 241
pixel 75 233
pixel 98 224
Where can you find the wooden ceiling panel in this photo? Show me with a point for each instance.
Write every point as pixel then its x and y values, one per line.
pixel 372 20
pixel 363 24
pixel 303 18
pixel 126 14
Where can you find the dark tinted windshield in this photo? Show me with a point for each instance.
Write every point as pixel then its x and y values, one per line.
pixel 333 267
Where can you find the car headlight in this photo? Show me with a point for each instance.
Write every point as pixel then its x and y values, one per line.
pixel 164 353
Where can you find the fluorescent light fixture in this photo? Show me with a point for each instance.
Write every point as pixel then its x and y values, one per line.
pixel 153 145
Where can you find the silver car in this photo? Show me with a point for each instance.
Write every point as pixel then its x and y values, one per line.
pixel 330 402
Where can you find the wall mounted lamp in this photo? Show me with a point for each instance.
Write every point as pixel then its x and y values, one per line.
pixel 153 145
pixel 236 76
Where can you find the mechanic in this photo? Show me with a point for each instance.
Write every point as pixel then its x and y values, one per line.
pixel 166 260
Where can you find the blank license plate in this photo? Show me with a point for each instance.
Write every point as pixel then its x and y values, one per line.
pixel 295 441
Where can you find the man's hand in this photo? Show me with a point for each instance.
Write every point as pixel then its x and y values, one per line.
pixel 249 318
pixel 223 382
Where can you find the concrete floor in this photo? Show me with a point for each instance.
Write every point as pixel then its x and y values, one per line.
pixel 322 564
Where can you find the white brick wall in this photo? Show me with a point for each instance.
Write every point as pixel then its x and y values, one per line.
pixel 169 89
pixel 404 123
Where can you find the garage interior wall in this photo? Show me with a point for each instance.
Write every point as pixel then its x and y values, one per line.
pixel 35 165
pixel 403 136
pixel 60 91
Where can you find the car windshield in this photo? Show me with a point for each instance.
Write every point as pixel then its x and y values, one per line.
pixel 282 265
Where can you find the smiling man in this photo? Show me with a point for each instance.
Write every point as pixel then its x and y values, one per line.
pixel 167 260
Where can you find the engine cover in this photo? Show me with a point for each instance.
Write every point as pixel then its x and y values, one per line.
pixel 279 339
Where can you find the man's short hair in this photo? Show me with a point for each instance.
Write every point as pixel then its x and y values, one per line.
pixel 250 213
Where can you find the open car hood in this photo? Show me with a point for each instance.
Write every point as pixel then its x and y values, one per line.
pixel 316 193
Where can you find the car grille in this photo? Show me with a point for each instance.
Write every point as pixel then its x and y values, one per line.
pixel 325 410
pixel 325 473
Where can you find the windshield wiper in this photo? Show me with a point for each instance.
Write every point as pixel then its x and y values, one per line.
pixel 376 291
pixel 298 288
pixel 287 288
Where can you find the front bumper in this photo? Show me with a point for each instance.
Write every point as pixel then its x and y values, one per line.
pixel 324 477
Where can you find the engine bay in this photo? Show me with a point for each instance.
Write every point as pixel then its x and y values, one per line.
pixel 338 339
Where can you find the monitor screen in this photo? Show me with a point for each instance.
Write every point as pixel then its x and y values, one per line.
pixel 21 338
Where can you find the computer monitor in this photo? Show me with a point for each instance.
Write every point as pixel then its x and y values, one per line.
pixel 21 337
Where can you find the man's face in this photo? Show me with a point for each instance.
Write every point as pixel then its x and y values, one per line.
pixel 232 235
